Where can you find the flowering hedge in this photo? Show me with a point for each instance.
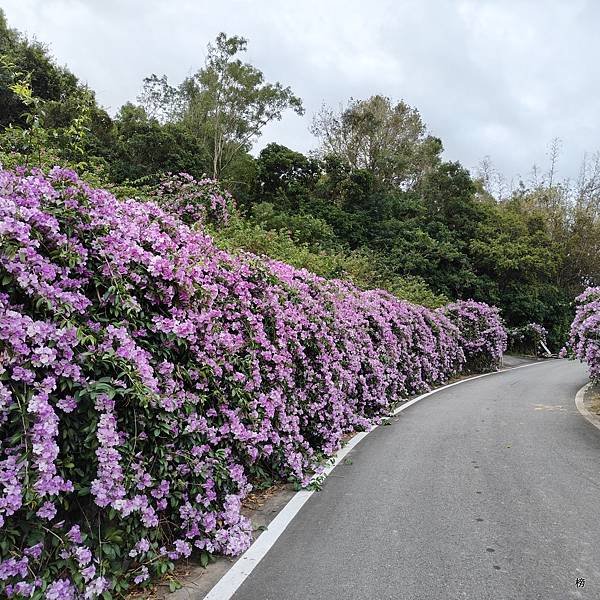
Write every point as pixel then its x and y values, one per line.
pixel 527 338
pixel 194 201
pixel 584 339
pixel 147 378
pixel 482 333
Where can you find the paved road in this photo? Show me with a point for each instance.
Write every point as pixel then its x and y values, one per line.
pixel 487 490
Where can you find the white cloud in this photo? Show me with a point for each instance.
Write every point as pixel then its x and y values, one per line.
pixel 489 77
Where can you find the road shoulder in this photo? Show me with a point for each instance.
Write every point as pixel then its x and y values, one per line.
pixel 587 401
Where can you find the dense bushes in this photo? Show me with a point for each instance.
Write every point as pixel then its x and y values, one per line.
pixel 363 267
pixel 584 340
pixel 482 334
pixel 527 339
pixel 147 378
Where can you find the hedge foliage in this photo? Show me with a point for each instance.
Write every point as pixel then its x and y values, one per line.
pixel 149 379
pixel 584 339
pixel 482 334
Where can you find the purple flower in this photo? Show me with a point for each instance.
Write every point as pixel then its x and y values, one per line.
pixel 74 534
pixel 584 338
pixel 83 555
pixel 62 589
pixel 47 511
pixel 143 575
pixel 183 548
pixel 12 567
pixel 88 572
pixel 96 587
pixel 67 404
pixel 34 551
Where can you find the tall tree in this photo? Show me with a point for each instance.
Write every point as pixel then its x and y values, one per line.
pixel 389 140
pixel 21 58
pixel 160 100
pixel 226 103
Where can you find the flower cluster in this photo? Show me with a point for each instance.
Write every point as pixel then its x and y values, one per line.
pixel 482 333
pixel 584 339
pixel 195 202
pixel 148 379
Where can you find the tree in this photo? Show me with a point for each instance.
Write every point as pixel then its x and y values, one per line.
pixel 226 103
pixel 160 100
pixel 390 141
pixel 285 177
pixel 144 149
pixel 231 102
pixel 47 116
pixel 448 192
pixel 23 58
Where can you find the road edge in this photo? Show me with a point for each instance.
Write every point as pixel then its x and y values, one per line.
pixel 232 580
pixel 580 404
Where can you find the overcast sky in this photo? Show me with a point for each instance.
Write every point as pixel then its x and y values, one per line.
pixel 490 77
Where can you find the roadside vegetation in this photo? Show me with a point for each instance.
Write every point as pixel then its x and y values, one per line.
pixel 181 320
pixel 149 379
pixel 584 339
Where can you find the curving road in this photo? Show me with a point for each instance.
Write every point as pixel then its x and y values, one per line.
pixel 486 490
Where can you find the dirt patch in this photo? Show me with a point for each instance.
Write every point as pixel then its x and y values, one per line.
pixel 592 399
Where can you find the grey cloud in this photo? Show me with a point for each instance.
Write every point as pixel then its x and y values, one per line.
pixel 490 78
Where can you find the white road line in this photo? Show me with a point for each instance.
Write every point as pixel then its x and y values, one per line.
pixel 591 417
pixel 233 579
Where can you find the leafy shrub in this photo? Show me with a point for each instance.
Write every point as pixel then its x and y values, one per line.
pixel 195 202
pixel 363 267
pixel 303 228
pixel 148 378
pixel 482 333
pixel 584 340
pixel 527 338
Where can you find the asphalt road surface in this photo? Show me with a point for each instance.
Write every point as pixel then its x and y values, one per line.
pixel 489 489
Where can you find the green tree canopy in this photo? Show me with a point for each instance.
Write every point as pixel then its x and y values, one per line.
pixel 389 140
pixel 226 103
